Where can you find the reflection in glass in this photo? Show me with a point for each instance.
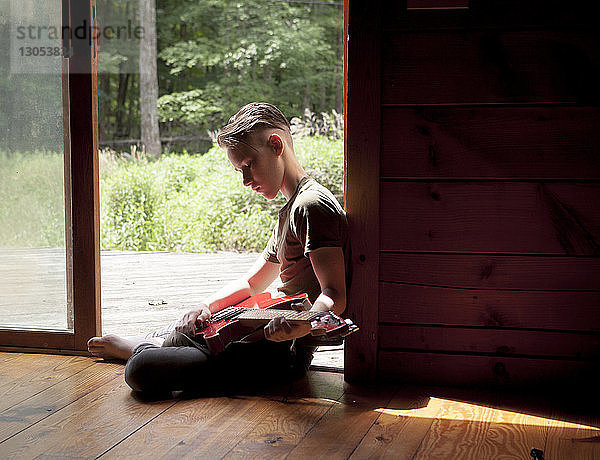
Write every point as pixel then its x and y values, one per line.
pixel 33 256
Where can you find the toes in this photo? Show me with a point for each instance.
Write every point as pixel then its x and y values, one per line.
pixel 95 351
pixel 95 342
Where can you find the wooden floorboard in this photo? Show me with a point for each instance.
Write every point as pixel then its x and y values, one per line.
pixel 30 376
pixel 86 428
pixel 236 426
pixel 55 398
pixel 77 407
pixel 345 424
pixel 399 434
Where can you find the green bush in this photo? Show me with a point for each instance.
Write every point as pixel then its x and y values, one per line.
pixel 197 203
pixel 180 202
pixel 132 199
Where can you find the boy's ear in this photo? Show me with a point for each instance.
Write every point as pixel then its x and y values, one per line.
pixel 276 142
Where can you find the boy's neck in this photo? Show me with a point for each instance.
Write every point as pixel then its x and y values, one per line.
pixel 291 178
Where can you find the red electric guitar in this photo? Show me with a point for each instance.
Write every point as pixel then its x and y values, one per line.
pixel 237 321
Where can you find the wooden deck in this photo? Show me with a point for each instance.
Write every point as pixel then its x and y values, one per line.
pixel 75 407
pixel 141 291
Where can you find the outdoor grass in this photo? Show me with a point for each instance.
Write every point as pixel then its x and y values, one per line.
pixel 32 200
pixel 180 202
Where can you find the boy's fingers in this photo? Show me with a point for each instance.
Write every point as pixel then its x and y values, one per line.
pixel 283 327
pixel 202 318
pixel 277 328
pixel 283 324
pixel 269 330
pixel 299 306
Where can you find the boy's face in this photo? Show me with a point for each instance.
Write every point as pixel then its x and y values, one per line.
pixel 260 163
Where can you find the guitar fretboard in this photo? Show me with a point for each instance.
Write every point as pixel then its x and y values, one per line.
pixel 269 314
pixel 227 313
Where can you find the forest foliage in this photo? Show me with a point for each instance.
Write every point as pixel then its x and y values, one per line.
pixel 216 55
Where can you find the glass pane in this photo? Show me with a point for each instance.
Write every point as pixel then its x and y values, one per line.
pixel 33 256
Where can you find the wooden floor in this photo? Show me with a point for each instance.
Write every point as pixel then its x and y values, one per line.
pixel 75 407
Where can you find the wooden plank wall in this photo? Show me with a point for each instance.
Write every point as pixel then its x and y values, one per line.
pixel 489 210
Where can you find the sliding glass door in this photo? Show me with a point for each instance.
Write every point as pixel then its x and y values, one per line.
pixel 48 177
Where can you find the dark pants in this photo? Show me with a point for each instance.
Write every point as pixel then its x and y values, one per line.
pixel 190 367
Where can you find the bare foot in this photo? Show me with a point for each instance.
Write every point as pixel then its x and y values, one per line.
pixel 111 346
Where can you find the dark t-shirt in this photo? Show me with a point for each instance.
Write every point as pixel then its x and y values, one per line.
pixel 311 219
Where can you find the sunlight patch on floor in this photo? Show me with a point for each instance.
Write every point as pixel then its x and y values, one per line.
pixel 453 410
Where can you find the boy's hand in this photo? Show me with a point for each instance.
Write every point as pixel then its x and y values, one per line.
pixel 279 330
pixel 190 321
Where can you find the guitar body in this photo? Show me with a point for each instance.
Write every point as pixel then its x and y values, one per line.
pixel 225 327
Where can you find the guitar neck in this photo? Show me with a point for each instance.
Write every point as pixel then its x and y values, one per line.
pixel 259 315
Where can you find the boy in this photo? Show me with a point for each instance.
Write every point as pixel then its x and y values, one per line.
pixel 308 250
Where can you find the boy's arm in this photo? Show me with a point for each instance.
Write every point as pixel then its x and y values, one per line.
pixel 328 265
pixel 255 281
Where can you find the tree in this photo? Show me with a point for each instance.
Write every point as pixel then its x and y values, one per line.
pixel 149 79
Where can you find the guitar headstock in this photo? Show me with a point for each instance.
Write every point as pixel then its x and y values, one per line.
pixel 329 324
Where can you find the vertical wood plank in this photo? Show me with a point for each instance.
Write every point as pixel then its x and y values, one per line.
pixel 193 429
pixel 474 431
pixel 66 119
pixel 281 428
pixel 456 432
pixel 27 374
pixel 513 435
pixel 362 134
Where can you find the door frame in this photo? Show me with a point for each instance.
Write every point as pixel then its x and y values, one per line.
pixel 362 145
